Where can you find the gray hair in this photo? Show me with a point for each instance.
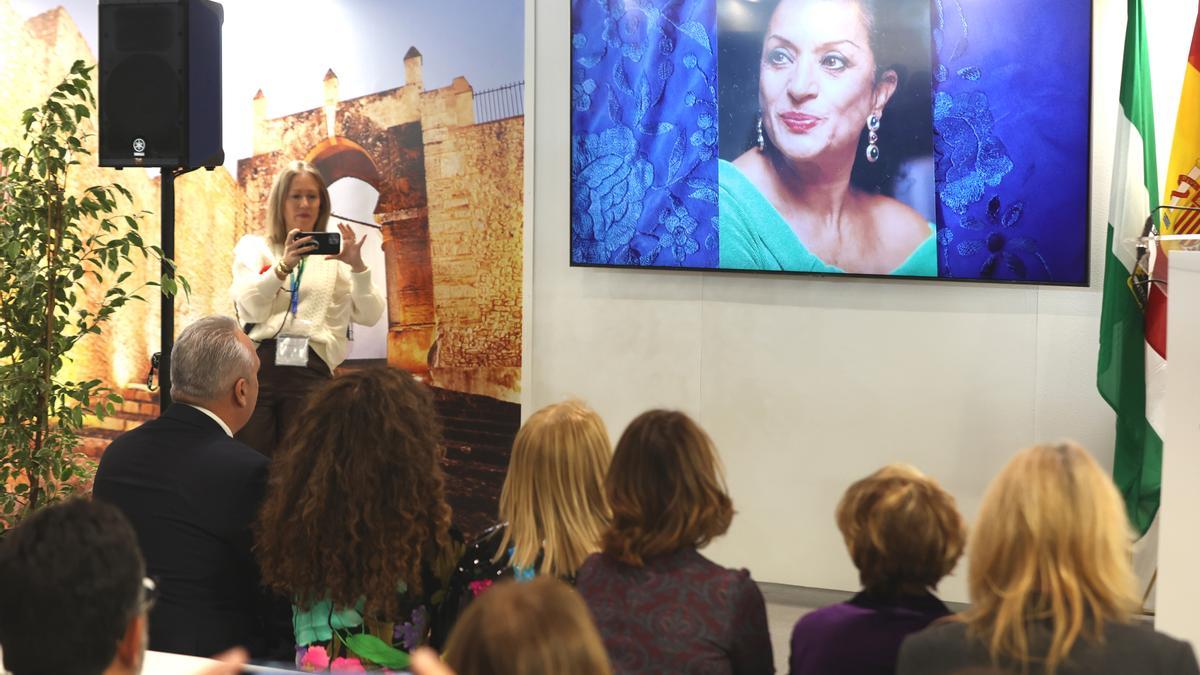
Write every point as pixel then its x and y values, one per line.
pixel 207 359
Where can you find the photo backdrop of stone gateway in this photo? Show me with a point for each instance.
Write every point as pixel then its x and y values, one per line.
pixel 416 123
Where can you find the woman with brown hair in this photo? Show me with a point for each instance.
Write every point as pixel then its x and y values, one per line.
pixel 538 628
pixel 355 526
pixel 660 605
pixel 1052 589
pixel 552 506
pixel 904 534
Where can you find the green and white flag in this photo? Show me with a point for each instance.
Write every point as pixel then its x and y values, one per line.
pixel 1131 373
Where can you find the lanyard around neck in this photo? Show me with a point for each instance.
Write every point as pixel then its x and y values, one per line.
pixel 297 274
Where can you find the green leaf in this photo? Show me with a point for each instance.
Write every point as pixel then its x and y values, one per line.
pixel 44 214
pixel 375 650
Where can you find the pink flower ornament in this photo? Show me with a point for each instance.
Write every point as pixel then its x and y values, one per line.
pixel 478 587
pixel 315 658
pixel 344 665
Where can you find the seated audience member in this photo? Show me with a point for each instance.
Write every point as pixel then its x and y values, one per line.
pixel 355 526
pixel 536 628
pixel 192 491
pixel 552 506
pixel 661 607
pixel 1050 581
pixel 904 534
pixel 74 595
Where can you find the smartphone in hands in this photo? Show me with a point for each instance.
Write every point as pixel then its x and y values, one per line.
pixel 328 243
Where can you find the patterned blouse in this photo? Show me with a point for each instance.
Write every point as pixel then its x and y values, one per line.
pixel 680 613
pixel 480 567
pixel 342 639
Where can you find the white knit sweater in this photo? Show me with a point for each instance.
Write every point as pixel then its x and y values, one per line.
pixel 331 296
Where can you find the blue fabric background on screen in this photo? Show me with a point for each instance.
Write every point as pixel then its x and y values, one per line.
pixel 644 132
pixel 1011 138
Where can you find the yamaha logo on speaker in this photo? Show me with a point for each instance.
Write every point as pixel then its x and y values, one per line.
pixel 139 147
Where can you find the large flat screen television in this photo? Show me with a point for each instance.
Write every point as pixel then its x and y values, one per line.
pixel 944 139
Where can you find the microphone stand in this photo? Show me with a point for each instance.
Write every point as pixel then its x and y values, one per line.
pixel 356 222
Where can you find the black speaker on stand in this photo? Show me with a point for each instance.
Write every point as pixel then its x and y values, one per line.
pixel 160 106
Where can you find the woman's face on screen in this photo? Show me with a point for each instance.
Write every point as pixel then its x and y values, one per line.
pixel 816 78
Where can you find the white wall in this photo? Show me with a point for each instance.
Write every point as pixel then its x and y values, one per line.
pixel 808 384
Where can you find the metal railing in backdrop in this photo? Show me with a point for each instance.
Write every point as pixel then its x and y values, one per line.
pixel 500 103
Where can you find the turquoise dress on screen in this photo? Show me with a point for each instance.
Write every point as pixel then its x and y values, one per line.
pixel 753 236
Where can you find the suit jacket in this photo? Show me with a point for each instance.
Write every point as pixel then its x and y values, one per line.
pixel 192 494
pixel 1127 648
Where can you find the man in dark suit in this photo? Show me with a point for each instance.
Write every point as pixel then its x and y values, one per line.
pixel 192 493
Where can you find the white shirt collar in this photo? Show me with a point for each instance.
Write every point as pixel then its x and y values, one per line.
pixel 216 419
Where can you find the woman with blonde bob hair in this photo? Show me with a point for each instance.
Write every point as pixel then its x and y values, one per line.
pixel 552 507
pixel 1051 584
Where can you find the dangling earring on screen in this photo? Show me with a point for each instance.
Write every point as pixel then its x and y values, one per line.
pixel 759 140
pixel 872 138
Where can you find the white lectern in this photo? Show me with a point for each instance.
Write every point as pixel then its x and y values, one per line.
pixel 1178 596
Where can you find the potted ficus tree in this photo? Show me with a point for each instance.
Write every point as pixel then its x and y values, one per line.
pixel 66 256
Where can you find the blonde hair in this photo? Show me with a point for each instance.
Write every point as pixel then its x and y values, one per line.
pixel 1052 545
pixel 903 531
pixel 276 225
pixel 553 497
pixel 538 628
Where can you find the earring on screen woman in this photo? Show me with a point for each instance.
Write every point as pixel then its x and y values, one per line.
pixel 873 123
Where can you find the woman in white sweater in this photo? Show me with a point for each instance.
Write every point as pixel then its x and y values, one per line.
pixel 298 307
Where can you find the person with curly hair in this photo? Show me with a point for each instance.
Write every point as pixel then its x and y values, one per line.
pixel 355 527
pixel 660 605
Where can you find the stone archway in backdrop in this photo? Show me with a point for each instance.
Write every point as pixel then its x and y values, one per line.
pixel 403 216
pixel 450 209
pixel 343 141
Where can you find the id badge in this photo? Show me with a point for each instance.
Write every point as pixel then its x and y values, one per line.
pixel 291 350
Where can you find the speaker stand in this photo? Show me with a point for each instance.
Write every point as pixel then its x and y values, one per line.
pixel 167 323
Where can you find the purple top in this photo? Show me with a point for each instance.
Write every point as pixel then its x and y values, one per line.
pixel 680 613
pixel 859 637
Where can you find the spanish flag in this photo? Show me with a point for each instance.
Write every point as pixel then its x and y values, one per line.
pixel 1181 191
pixel 1183 172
